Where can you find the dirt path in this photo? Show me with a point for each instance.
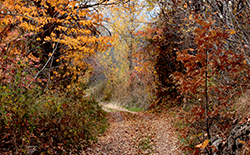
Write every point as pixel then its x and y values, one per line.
pixel 135 133
pixel 109 107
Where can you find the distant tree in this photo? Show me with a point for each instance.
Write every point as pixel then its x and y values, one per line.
pixel 119 61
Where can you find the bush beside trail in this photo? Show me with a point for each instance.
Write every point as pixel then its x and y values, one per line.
pixel 50 123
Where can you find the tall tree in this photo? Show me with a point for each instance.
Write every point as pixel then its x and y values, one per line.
pixel 118 61
pixel 59 34
pixel 200 53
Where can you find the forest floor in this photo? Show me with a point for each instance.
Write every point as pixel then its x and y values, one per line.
pixel 136 133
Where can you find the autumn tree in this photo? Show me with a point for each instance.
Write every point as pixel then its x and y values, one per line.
pixel 61 35
pixel 126 20
pixel 220 68
pixel 45 44
pixel 162 39
pixel 119 61
pixel 209 50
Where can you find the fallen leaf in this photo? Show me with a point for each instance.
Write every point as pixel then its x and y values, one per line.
pixel 203 145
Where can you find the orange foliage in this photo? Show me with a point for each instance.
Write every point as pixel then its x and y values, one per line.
pixel 61 34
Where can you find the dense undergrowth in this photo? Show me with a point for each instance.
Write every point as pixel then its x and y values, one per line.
pixel 50 123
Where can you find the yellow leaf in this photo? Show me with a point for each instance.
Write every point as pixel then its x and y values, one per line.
pixel 185 6
pixel 232 31
pixel 203 145
pixel 197 135
pixel 242 142
pixel 190 17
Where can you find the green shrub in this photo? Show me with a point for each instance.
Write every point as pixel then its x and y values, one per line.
pixel 52 123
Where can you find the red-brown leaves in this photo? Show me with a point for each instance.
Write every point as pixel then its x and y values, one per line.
pixel 213 70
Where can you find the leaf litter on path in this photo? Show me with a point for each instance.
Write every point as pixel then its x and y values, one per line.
pixel 132 133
